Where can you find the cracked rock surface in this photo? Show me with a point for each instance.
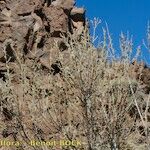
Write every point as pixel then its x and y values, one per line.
pixel 27 26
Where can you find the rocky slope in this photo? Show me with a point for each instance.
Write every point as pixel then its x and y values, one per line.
pixel 31 27
pixel 37 101
pixel 31 33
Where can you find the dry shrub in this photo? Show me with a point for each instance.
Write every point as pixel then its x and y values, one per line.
pixel 91 98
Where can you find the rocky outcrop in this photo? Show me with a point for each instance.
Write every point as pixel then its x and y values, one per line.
pixel 31 34
pixel 141 73
pixel 30 28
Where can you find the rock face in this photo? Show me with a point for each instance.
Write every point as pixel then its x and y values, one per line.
pixel 28 28
pixel 30 33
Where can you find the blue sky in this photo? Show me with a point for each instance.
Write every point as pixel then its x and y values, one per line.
pixel 121 15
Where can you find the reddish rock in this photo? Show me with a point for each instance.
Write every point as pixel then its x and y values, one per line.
pixel 57 19
pixel 24 7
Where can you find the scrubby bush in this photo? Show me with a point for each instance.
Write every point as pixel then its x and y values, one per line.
pixel 91 98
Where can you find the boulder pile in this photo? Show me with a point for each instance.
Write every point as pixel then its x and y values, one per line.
pixel 28 28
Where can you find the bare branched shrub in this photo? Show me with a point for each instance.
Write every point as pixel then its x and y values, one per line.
pixel 92 98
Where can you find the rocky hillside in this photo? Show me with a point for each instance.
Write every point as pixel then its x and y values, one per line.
pixel 31 27
pixel 57 91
